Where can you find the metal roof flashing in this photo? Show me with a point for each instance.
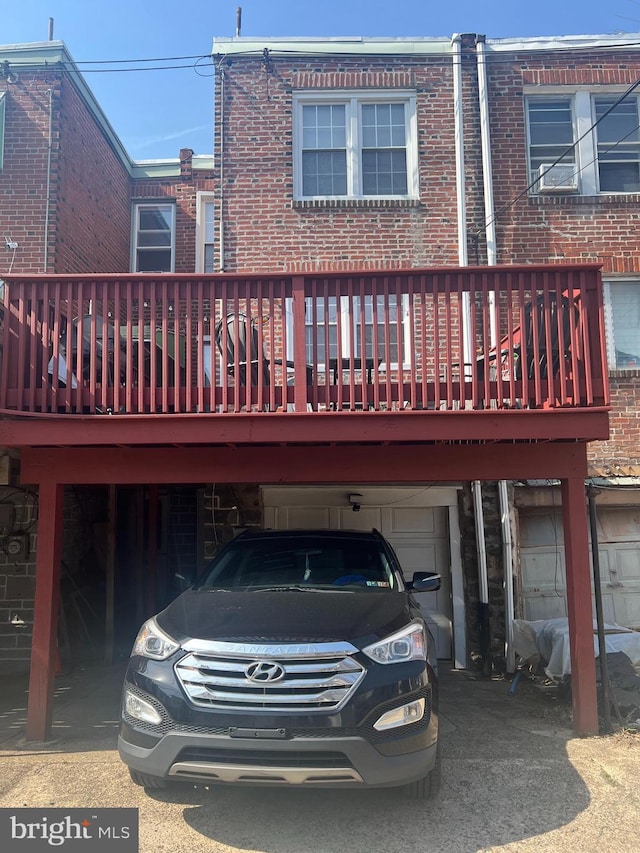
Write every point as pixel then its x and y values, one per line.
pixel 310 46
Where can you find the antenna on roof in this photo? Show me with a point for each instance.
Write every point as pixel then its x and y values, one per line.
pixel 238 21
pixel 50 29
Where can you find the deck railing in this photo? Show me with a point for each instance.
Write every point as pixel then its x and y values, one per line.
pixel 430 340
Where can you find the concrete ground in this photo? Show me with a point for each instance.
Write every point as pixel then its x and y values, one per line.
pixel 514 780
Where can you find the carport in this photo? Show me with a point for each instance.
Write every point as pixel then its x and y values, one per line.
pixel 52 468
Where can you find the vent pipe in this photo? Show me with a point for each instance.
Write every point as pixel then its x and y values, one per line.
pixel 50 29
pixel 238 21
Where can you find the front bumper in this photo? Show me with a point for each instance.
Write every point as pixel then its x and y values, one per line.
pixel 341 761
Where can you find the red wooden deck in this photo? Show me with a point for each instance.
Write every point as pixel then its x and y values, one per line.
pixel 446 342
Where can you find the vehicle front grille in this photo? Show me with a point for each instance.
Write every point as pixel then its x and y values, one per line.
pixel 323 680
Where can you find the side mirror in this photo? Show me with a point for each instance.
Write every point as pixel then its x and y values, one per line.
pixel 425 582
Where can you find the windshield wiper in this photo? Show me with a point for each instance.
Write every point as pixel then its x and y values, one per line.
pixel 292 588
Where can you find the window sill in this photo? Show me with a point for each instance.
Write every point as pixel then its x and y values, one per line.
pixel 333 203
pixel 576 198
pixel 624 373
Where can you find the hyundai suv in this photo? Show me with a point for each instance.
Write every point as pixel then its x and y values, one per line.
pixel 297 658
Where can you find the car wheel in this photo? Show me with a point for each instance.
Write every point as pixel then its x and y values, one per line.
pixel 146 781
pixel 428 787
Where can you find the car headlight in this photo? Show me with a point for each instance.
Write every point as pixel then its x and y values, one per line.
pixel 152 642
pixel 407 644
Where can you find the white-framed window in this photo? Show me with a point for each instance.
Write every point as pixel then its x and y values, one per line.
pixel 153 243
pixel 342 328
pixel 355 145
pixel 205 233
pixel 2 114
pixel 622 315
pixel 595 138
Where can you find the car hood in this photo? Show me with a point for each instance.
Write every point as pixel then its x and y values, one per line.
pixel 290 616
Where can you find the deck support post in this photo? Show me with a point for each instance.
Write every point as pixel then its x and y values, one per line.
pixel 45 617
pixel 579 607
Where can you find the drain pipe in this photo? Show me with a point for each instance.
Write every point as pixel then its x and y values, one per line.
pixel 492 259
pixel 221 173
pixel 47 209
pixel 467 350
pixel 461 206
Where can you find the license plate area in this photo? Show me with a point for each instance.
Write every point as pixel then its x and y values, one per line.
pixel 252 734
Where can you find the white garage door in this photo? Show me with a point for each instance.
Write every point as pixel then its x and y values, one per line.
pixel 543 565
pixel 418 534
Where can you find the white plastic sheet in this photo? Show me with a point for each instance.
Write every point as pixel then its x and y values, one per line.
pixel 548 640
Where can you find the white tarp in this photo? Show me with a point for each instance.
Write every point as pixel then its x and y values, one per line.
pixel 548 640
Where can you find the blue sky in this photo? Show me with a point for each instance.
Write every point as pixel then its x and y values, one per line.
pixel 157 112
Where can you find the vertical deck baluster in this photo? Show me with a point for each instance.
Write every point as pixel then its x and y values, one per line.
pixel 117 353
pixel 165 315
pixel 586 326
pixel 43 346
pixel 375 348
pixel 387 343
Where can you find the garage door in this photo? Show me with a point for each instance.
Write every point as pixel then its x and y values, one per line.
pixel 543 566
pixel 418 534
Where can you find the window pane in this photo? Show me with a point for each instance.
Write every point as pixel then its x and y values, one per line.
pixel 323 126
pixel 550 131
pixel 383 125
pixel 618 145
pixel 324 173
pixel 208 258
pixel 155 218
pixel 154 238
pixel 154 260
pixel 384 172
pixel 625 313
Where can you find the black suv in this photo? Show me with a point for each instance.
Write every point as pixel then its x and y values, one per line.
pixel 299 657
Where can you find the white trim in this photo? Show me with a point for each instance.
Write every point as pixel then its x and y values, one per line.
pixel 353 100
pixel 202 198
pixel 582 99
pixel 457 589
pixel 608 315
pixel 137 206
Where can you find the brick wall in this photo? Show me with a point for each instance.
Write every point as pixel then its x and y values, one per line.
pixel 23 178
pixel 91 188
pixel 265 229
pixel 183 191
pixel 17 579
pixel 571 228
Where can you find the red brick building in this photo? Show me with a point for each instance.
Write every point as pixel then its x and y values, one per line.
pixel 352 181
pixel 305 128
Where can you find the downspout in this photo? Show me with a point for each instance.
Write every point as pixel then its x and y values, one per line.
pixel 492 259
pixel 221 174
pixel 463 258
pixel 47 209
pixel 461 206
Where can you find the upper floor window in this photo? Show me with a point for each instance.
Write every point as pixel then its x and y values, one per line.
pixel 205 234
pixel 153 237
pixel 355 145
pixel 583 142
pixel 622 311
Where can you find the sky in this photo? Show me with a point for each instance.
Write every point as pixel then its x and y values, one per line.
pixel 157 112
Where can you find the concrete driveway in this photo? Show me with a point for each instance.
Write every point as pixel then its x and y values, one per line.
pixel 514 780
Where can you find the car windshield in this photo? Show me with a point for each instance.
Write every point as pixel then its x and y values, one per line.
pixel 302 563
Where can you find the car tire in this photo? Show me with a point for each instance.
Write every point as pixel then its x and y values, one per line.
pixel 428 787
pixel 146 781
